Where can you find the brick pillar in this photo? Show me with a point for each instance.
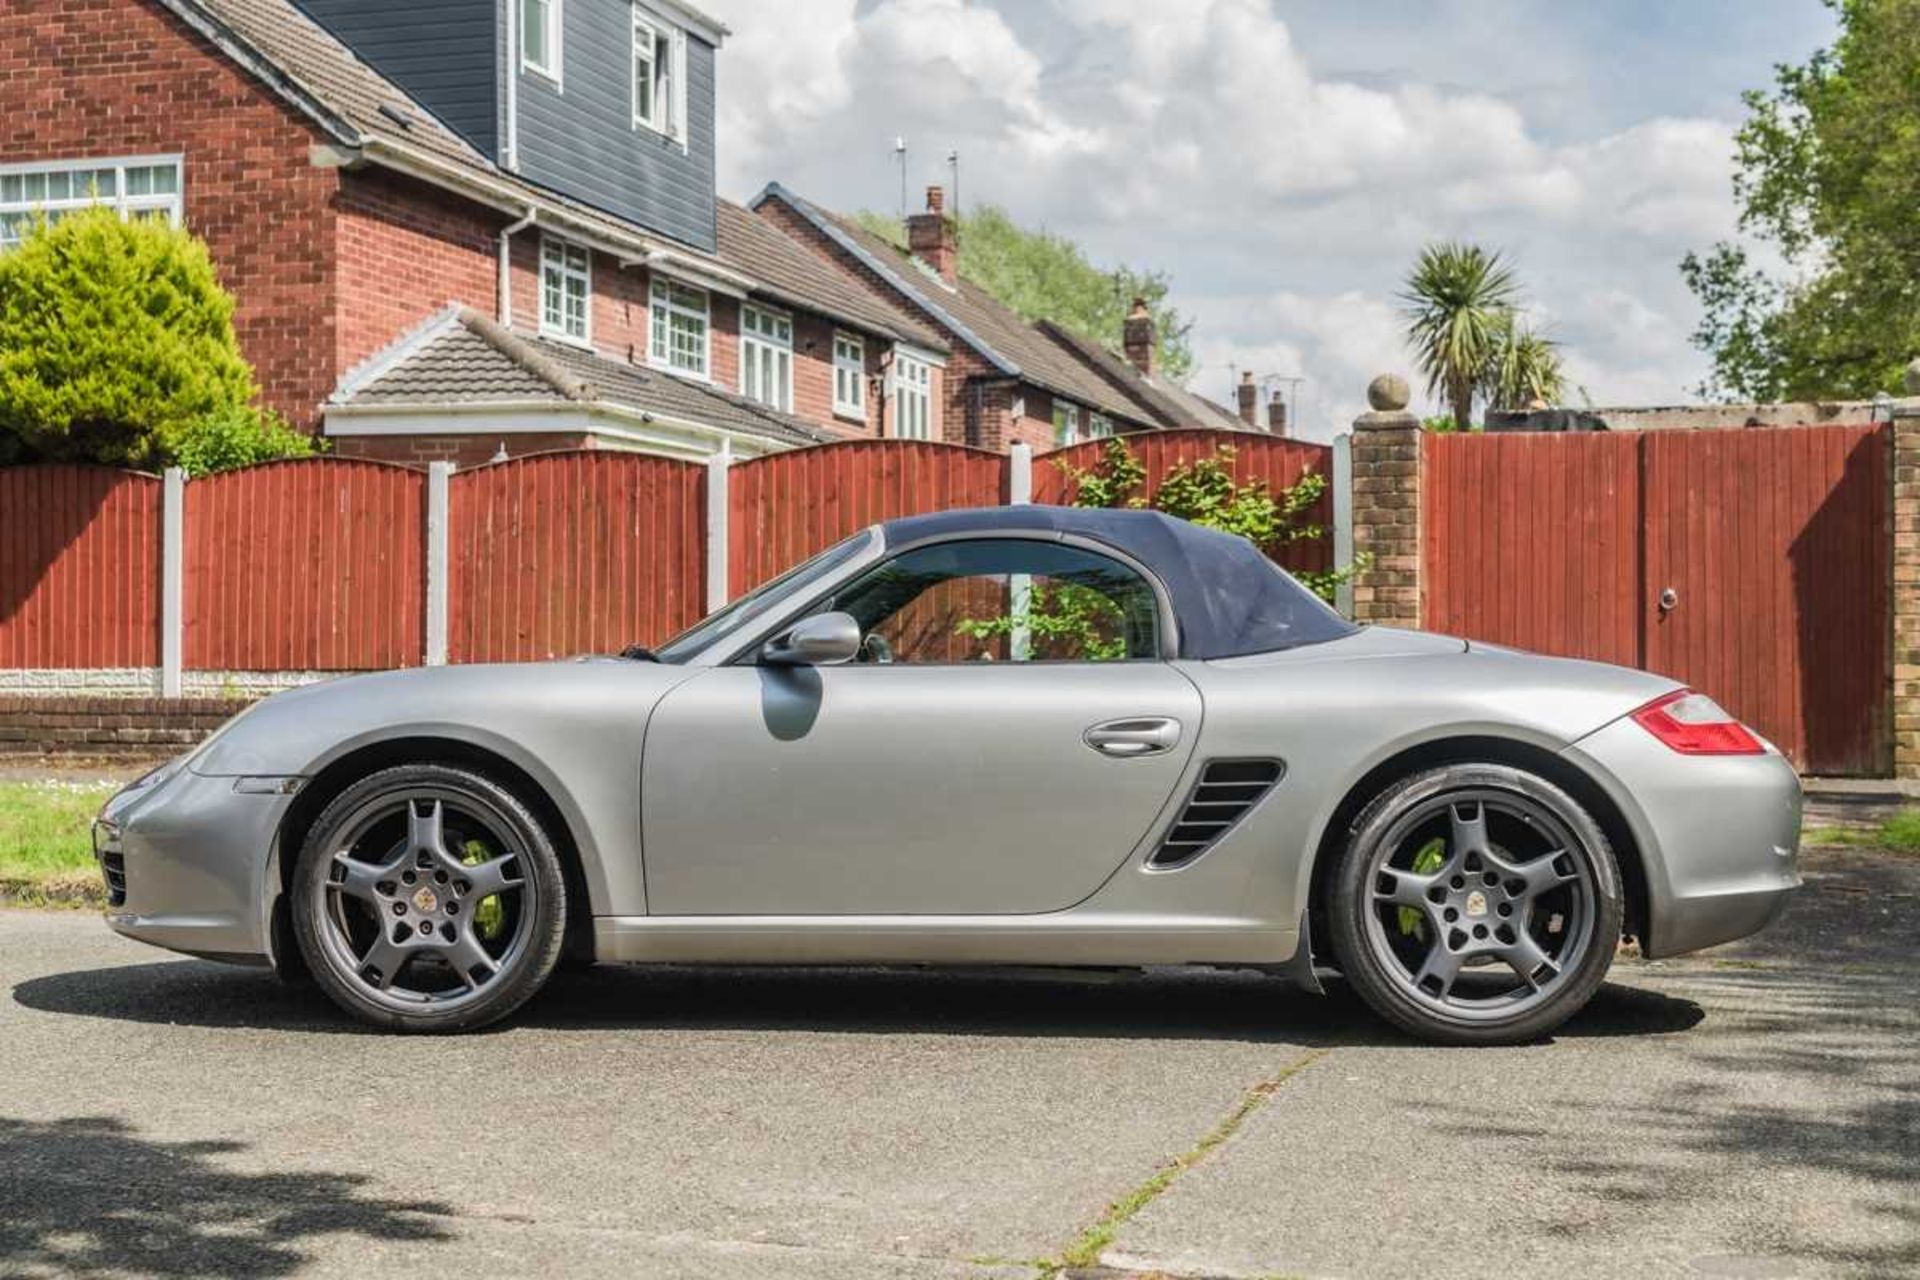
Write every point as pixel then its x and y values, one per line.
pixel 1386 506
pixel 1906 581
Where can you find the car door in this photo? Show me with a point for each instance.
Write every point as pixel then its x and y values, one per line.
pixel 1009 739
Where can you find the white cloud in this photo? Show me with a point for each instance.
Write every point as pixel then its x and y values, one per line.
pixel 1199 139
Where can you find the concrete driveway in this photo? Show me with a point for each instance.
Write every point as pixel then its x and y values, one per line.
pixel 1753 1112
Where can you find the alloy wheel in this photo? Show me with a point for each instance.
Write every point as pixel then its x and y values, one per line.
pixel 1480 904
pixel 427 900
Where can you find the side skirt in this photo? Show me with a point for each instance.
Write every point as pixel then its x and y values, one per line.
pixel 1069 939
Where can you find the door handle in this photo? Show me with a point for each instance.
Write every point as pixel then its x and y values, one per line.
pixel 1135 736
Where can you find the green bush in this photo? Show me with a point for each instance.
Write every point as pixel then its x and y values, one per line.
pixel 116 342
pixel 238 437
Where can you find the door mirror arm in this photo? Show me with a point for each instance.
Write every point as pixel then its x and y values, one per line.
pixel 824 640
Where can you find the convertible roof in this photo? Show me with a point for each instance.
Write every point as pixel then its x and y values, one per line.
pixel 1228 597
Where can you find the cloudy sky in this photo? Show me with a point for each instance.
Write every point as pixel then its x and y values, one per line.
pixel 1285 160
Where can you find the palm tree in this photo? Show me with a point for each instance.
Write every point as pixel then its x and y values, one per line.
pixel 1459 298
pixel 1525 369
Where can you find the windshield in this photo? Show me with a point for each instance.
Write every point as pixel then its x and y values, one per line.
pixel 731 617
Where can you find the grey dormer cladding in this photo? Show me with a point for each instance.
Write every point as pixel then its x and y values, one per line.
pixel 576 138
pixel 579 138
pixel 441 52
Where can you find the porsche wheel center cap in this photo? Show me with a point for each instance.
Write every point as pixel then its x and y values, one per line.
pixel 424 902
pixel 1476 903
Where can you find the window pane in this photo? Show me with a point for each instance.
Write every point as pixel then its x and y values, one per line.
pixel 36 188
pixel 533 32
pixel 1004 600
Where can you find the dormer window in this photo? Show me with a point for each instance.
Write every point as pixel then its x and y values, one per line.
pixel 657 74
pixel 540 37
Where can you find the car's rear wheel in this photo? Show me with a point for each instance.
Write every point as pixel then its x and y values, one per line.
pixel 429 898
pixel 1475 904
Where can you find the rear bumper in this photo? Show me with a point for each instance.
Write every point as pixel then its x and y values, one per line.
pixel 194 863
pixel 1719 835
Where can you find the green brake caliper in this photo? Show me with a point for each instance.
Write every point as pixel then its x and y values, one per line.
pixel 490 916
pixel 1432 856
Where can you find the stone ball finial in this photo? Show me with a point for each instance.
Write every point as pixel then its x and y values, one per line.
pixel 1388 393
pixel 1911 380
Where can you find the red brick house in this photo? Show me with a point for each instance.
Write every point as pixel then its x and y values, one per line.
pixel 469 227
pixel 1007 379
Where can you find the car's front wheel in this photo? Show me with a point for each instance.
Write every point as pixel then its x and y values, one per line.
pixel 1475 904
pixel 429 898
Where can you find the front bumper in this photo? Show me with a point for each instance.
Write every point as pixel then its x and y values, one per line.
pixel 189 865
pixel 1719 835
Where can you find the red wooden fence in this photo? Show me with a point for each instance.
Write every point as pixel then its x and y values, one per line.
pixel 786 506
pixel 1777 545
pixel 567 553
pixel 1533 540
pixel 310 565
pixel 1279 463
pixel 79 567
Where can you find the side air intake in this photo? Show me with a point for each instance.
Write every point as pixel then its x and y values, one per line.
pixel 1226 791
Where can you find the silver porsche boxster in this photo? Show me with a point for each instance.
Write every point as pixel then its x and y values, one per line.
pixel 1024 735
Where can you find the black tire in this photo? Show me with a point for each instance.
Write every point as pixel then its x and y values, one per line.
pixel 537 898
pixel 1390 960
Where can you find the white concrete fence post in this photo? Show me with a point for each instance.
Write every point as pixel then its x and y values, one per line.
pixel 1020 585
pixel 1020 474
pixel 1343 521
pixel 173 578
pixel 438 474
pixel 718 523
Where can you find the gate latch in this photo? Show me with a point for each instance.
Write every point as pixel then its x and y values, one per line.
pixel 1669 599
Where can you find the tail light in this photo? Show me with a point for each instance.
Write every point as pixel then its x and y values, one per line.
pixel 1695 725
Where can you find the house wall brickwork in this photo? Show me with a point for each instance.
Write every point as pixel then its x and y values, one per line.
pixel 405 249
pixel 129 79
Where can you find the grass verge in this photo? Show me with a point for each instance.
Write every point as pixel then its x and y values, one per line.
pixel 1901 831
pixel 46 845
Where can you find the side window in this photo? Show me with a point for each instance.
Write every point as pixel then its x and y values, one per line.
pixel 1002 600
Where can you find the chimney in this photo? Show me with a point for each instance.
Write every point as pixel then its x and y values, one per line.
pixel 1249 399
pixel 930 236
pixel 1138 338
pixel 1277 415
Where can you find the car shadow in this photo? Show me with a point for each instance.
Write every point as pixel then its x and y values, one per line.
pixel 1165 1004
pixel 86 1195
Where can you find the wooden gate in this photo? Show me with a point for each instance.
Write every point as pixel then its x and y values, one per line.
pixel 1754 565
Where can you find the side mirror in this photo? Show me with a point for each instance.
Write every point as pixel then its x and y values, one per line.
pixel 824 640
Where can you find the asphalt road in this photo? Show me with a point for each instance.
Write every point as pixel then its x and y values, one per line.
pixel 1754 1112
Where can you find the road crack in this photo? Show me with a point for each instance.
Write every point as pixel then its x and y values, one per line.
pixel 1087 1247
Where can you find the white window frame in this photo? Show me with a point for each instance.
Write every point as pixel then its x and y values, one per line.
pixel 850 376
pixel 669 77
pixel 561 263
pixel 766 356
pixel 12 207
pixel 552 30
pixel 911 390
pixel 663 307
pixel 1099 426
pixel 1066 424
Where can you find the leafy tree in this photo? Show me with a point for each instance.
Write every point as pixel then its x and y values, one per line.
pixel 116 344
pixel 1458 303
pixel 1524 369
pixel 1044 276
pixel 1828 173
pixel 1461 303
pixel 238 436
